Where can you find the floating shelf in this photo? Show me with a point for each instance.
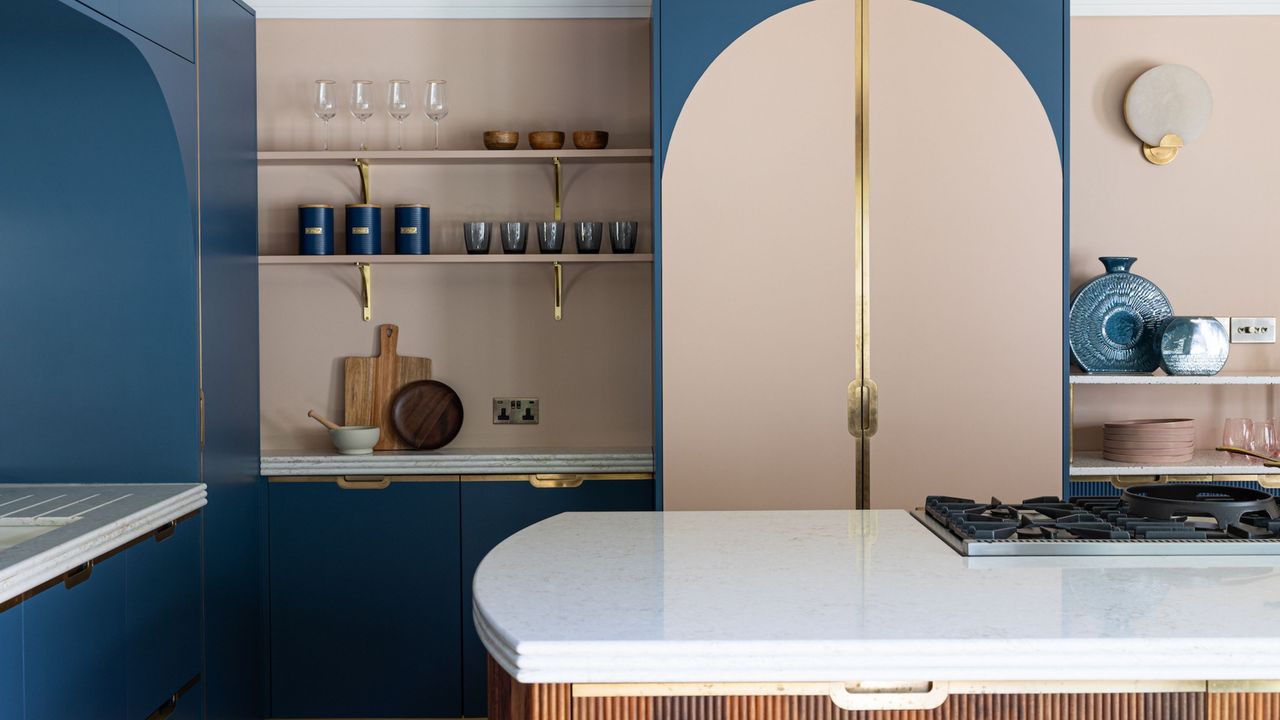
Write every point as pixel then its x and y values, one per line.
pixel 1089 463
pixel 345 157
pixel 494 258
pixel 1226 378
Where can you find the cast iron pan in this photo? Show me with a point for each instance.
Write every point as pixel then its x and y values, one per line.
pixel 427 414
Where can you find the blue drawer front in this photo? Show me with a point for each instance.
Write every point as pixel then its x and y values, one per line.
pixel 492 511
pixel 163 616
pixel 11 707
pixel 75 648
pixel 365 609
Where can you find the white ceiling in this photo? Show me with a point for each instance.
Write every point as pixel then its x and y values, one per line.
pixel 640 8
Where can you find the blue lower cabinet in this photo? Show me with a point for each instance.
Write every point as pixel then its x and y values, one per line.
pixel 190 705
pixel 11 664
pixel 493 510
pixel 162 616
pixel 75 645
pixel 365 616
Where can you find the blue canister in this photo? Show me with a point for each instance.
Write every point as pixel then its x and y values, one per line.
pixel 315 229
pixel 364 229
pixel 413 230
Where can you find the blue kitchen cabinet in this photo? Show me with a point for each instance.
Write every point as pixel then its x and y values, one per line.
pixel 11 664
pixel 365 616
pixel 169 23
pixel 495 509
pixel 189 705
pixel 162 616
pixel 75 647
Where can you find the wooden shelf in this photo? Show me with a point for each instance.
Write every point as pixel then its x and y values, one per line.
pixel 1089 463
pixel 346 157
pixel 456 258
pixel 1226 378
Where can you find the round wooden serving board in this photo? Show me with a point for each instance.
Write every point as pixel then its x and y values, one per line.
pixel 427 414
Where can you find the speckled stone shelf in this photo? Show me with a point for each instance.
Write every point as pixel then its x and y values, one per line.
pixel 1226 378
pixel 460 461
pixel 1204 462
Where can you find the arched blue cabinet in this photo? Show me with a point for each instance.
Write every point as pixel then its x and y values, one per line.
pixel 691 36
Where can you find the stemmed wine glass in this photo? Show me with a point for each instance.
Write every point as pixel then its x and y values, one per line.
pixel 399 106
pixel 362 108
pixel 436 105
pixel 323 106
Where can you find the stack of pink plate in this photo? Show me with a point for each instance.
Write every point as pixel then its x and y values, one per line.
pixel 1151 442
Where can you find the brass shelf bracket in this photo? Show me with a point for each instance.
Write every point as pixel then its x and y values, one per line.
pixel 366 288
pixel 555 161
pixel 366 192
pixel 558 269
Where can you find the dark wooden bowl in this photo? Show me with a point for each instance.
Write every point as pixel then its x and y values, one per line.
pixel 546 140
pixel 501 139
pixel 427 414
pixel 590 139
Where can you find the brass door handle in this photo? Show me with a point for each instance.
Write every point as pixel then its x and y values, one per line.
pixel 355 482
pixel 555 481
pixel 863 395
pixel 78 575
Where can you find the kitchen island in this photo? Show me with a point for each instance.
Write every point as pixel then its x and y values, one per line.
pixel 863 613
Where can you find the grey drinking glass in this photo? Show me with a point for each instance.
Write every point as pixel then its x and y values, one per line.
pixel 475 237
pixel 590 235
pixel 622 236
pixel 550 237
pixel 515 235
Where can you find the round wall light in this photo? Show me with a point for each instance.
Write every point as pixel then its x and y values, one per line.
pixel 1166 107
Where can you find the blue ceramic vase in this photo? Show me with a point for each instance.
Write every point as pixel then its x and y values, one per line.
pixel 1193 346
pixel 1115 319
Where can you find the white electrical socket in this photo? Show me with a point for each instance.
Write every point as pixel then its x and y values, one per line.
pixel 515 411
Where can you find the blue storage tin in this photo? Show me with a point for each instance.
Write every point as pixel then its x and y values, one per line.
pixel 315 229
pixel 413 230
pixel 364 229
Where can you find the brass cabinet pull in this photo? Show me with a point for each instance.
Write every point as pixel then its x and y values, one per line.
pixel 165 710
pixel 356 482
pixel 888 696
pixel 555 481
pixel 862 395
pixel 166 531
pixel 78 575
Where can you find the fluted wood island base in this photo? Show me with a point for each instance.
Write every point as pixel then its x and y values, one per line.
pixel 511 700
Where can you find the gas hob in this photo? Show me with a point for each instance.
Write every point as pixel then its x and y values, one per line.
pixel 1173 519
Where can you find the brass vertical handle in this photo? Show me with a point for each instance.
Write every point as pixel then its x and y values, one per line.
pixel 366 289
pixel 556 162
pixel 559 272
pixel 863 408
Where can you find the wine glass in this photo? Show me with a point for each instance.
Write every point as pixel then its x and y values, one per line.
pixel 323 106
pixel 436 105
pixel 362 108
pixel 1238 432
pixel 399 106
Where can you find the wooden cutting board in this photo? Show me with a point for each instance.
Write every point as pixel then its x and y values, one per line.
pixel 371 383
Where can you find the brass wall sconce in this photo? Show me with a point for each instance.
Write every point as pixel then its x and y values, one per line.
pixel 1166 107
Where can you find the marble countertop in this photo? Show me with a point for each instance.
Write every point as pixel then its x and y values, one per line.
pixel 843 596
pixel 89 520
pixel 459 461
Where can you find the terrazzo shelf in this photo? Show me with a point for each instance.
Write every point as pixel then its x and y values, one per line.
pixel 459 461
pixel 1087 463
pixel 87 521
pixel 1225 378
pixel 835 596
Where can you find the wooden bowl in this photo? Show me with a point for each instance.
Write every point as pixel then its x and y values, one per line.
pixel 546 140
pixel 590 139
pixel 501 139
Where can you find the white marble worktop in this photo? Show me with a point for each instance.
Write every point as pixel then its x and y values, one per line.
pixel 842 596
pixel 459 461
pixel 90 520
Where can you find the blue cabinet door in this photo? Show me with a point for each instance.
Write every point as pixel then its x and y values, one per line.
pixel 162 616
pixel 75 646
pixel 11 664
pixel 190 706
pixel 170 23
pixel 365 609
pixel 493 510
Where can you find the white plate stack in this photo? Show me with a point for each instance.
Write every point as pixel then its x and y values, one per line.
pixel 1149 442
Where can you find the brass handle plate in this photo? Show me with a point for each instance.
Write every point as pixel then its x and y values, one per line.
pixel 889 696
pixel 863 395
pixel 357 482
pixel 555 481
pixel 166 531
pixel 78 575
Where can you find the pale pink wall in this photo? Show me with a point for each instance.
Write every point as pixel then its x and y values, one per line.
pixel 488 329
pixel 966 266
pixel 1204 228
